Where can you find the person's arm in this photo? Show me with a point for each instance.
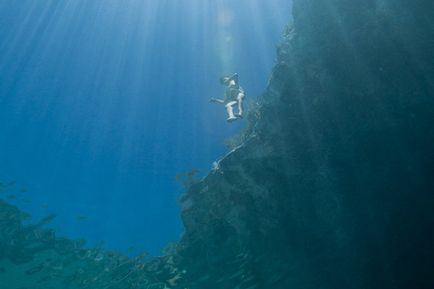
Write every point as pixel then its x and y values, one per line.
pixel 216 100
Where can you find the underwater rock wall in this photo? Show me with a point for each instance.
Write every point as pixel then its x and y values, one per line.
pixel 333 186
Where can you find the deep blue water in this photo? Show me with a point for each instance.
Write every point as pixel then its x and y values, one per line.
pixel 102 103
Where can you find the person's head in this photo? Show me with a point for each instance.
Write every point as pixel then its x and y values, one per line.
pixel 225 80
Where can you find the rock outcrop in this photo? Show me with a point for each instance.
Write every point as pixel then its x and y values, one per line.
pixel 334 185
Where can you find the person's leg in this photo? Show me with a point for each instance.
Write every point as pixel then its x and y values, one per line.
pixel 240 99
pixel 230 110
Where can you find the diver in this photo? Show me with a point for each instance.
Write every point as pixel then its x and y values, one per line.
pixel 234 96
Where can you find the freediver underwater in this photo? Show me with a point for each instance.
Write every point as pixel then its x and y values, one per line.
pixel 233 97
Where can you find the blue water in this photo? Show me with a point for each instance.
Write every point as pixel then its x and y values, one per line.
pixel 102 103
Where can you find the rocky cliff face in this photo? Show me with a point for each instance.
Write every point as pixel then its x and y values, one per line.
pixel 334 185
